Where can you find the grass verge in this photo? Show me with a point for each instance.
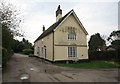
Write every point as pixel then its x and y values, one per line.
pixel 90 65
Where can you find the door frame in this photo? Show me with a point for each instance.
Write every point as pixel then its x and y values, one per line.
pixel 44 52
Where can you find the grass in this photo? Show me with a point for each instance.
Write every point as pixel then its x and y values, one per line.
pixel 90 65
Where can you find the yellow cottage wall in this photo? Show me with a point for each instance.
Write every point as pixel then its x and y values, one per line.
pixel 62 42
pixel 48 42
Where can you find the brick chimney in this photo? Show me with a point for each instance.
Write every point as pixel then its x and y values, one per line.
pixel 58 13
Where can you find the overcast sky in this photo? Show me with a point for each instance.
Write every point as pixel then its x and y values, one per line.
pixel 101 17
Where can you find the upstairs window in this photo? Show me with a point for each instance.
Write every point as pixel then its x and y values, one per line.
pixel 71 33
pixel 71 36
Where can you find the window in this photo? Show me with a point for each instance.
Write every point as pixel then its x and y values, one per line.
pixel 38 51
pixel 72 51
pixel 71 36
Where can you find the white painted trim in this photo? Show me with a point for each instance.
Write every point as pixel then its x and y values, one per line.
pixel 63 21
pixel 77 20
pixel 80 23
pixel 75 54
pixel 72 39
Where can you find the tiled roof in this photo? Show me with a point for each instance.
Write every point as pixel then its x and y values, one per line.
pixel 52 27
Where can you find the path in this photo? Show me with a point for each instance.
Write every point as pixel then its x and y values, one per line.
pixel 30 69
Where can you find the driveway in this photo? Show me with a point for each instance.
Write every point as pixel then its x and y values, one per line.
pixel 31 69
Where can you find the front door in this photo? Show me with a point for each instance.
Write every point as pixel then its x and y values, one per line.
pixel 44 52
pixel 38 51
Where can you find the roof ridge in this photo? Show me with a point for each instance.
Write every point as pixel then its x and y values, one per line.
pixel 53 26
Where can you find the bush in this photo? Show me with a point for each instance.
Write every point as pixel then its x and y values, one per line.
pixel 27 51
pixel 4 57
pixel 103 55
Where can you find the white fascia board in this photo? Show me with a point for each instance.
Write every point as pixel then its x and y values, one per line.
pixel 62 21
pixel 80 23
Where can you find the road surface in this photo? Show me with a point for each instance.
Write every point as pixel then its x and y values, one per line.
pixel 22 68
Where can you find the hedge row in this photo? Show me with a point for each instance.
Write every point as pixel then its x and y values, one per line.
pixel 27 51
pixel 6 56
pixel 104 55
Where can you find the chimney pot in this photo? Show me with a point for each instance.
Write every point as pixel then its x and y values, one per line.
pixel 43 28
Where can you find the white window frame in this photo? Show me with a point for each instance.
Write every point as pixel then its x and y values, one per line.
pixel 72 37
pixel 72 51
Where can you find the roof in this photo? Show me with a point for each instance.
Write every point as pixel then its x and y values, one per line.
pixel 115 47
pixel 54 26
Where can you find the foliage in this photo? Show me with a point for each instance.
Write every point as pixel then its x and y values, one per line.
pixel 0 56
pixel 27 44
pixel 19 46
pixel 103 55
pixel 95 42
pixel 27 51
pixel 4 57
pixel 114 38
pixel 7 38
pixel 9 17
pixel 114 35
pixel 9 23
pixel 90 65
pixel 116 42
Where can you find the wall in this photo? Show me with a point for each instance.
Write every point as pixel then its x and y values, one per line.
pixel 48 42
pixel 61 42
pixel 61 38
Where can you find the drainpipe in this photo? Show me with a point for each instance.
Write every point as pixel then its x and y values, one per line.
pixel 53 46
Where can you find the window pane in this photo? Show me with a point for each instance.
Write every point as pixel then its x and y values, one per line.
pixel 72 51
pixel 72 36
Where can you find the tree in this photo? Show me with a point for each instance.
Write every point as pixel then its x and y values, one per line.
pixel 7 38
pixel 19 46
pixel 114 39
pixel 115 35
pixel 27 44
pixel 9 21
pixel 9 24
pixel 116 42
pixel 9 17
pixel 96 42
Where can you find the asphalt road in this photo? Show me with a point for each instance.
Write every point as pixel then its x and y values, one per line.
pixel 22 68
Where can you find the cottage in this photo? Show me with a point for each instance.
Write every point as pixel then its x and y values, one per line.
pixel 64 40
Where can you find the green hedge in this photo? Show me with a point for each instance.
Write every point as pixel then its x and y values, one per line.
pixel 104 55
pixel 4 57
pixel 27 51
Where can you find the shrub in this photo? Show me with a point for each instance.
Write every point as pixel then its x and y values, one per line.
pixel 103 55
pixel 4 57
pixel 27 51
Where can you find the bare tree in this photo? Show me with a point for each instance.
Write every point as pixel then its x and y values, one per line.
pixel 10 18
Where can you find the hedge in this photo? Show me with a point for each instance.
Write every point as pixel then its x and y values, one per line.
pixel 4 57
pixel 27 51
pixel 104 55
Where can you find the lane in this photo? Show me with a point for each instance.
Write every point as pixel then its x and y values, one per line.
pixel 22 68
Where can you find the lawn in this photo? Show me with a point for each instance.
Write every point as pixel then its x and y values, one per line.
pixel 90 65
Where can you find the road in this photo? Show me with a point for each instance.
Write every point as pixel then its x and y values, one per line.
pixel 22 68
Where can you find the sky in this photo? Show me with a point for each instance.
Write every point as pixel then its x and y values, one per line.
pixel 97 16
